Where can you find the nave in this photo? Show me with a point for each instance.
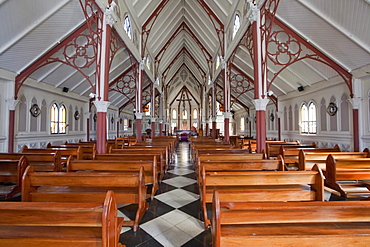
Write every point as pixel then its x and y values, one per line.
pixel 174 217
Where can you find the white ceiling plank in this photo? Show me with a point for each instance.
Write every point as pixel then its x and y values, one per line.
pixel 34 25
pixel 335 25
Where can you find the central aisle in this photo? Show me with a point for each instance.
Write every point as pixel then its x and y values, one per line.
pixel 174 216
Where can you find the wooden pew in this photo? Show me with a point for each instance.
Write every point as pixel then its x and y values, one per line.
pixel 273 147
pixel 307 158
pixel 86 187
pixel 117 163
pixel 54 224
pixel 349 177
pixel 11 171
pixel 158 152
pixel 239 165
pixel 290 154
pixel 40 161
pixel 306 224
pixel 163 148
pixel 65 152
pixel 261 186
pixel 209 155
pixel 84 150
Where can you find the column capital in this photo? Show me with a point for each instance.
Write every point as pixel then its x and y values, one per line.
pixel 227 115
pixel 261 104
pixel 12 104
pixel 214 119
pixel 101 106
pixel 139 115
pixel 110 16
pixel 254 12
pixel 355 102
pixel 153 119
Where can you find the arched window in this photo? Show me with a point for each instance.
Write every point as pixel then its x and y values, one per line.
pixel 218 61
pixel 242 124
pixel 174 114
pixel 148 62
pixel 58 119
pixel 127 27
pixel 236 24
pixel 308 118
pixel 184 114
pixel 195 114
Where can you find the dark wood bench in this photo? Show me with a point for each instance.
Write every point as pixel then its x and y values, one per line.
pixel 11 172
pixel 290 154
pixel 225 157
pixel 220 151
pixel 84 150
pixel 239 165
pixel 117 163
pixel 158 152
pixel 273 147
pixel 86 187
pixel 308 158
pixel 40 161
pixel 306 224
pixel 348 176
pixel 53 224
pixel 65 152
pixel 260 186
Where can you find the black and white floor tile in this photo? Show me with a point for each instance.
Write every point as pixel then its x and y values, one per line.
pixel 174 217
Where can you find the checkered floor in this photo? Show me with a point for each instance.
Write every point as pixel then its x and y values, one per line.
pixel 174 216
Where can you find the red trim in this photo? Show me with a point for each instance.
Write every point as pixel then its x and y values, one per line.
pixel 47 59
pixel 152 18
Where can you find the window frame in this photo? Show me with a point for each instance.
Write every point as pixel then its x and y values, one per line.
pixel 58 119
pixel 308 118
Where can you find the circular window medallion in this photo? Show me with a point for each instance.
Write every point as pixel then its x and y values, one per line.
pixel 77 115
pixel 35 110
pixel 272 117
pixel 332 109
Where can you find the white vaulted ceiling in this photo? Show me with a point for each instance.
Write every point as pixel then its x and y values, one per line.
pixel 183 39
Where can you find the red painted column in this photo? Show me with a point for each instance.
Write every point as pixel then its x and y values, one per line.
pixel 87 129
pixel 356 139
pixel 139 126
pixel 160 128
pixel 11 131
pixel 12 104
pixel 226 130
pixel 153 127
pixel 101 103
pixel 101 132
pixel 261 130
pixel 101 123
pixel 214 126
